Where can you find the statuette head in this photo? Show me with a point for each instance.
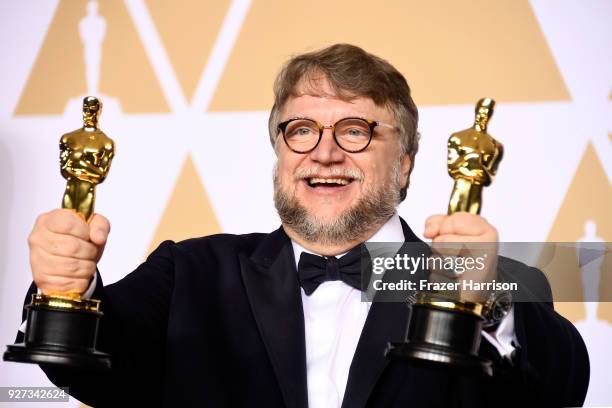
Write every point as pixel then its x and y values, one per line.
pixel 92 108
pixel 484 111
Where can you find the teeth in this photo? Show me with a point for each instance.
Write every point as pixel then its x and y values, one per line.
pixel 315 180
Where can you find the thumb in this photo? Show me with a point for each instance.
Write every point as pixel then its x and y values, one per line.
pixel 99 228
pixel 432 225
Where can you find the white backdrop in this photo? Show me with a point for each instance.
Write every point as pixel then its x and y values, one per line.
pixel 191 156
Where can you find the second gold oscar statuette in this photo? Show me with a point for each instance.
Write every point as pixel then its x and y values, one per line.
pixel 445 331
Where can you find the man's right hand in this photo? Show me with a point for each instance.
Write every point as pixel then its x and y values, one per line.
pixel 64 250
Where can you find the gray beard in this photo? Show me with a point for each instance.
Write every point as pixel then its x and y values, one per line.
pixel 367 215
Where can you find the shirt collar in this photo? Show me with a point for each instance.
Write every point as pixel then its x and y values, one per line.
pixel 391 231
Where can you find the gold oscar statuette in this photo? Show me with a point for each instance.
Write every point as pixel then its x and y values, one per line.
pixel 473 157
pixel 62 328
pixel 444 329
pixel 85 159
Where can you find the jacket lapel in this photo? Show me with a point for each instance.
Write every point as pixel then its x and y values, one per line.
pixel 273 290
pixel 386 322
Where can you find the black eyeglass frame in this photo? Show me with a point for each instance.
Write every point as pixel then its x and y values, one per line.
pixel 371 123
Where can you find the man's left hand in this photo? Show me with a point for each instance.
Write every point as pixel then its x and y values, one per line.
pixel 464 229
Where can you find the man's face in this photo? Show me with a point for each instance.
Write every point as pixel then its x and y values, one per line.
pixel 329 182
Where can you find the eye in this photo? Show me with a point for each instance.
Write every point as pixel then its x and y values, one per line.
pixel 356 132
pixel 353 130
pixel 302 131
pixel 301 128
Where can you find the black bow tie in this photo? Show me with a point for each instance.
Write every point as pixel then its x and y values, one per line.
pixel 314 270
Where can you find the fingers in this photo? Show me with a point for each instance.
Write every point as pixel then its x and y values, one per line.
pixel 46 265
pixel 459 227
pixel 62 267
pixel 463 223
pixel 64 250
pixel 55 274
pixel 65 245
pixel 456 238
pixel 99 228
pixel 432 225
pixel 62 221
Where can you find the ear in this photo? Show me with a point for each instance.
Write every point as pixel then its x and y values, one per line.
pixel 405 169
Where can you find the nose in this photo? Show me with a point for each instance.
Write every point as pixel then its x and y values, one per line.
pixel 327 151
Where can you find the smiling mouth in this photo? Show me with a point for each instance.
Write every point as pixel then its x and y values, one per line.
pixel 317 182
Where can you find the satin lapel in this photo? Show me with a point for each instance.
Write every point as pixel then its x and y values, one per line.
pixel 273 290
pixel 386 322
pixel 409 236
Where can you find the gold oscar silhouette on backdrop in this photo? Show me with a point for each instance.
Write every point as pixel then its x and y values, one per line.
pixel 444 328
pixel 61 328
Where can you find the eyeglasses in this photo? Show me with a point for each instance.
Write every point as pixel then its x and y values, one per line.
pixel 352 135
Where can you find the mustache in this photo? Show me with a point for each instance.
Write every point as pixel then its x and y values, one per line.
pixel 335 171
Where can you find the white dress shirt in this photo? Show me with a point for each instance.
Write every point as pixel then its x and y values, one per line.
pixel 334 316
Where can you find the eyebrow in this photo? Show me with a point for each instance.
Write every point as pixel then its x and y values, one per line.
pixel 311 118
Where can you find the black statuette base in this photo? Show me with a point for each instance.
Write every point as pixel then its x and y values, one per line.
pixel 60 336
pixel 442 338
pixel 20 353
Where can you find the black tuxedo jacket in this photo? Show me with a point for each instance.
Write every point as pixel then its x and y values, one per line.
pixel 218 322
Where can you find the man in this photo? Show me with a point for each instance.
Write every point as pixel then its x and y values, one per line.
pixel 229 320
